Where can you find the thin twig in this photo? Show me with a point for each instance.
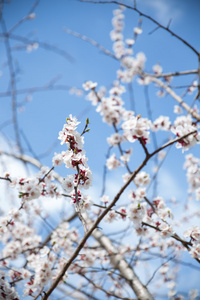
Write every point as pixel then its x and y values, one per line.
pixel 12 84
pixel 108 294
pixel 171 74
pixel 90 41
pixel 44 45
pixel 177 98
pixel 154 273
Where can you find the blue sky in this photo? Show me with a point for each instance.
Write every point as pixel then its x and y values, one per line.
pixel 45 115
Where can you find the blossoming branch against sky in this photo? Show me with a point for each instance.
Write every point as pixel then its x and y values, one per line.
pixel 100 166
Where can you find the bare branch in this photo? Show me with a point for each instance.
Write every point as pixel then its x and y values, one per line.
pixel 177 98
pixel 46 46
pixel 171 74
pixel 154 273
pixel 13 85
pixel 108 294
pixel 120 263
pixel 91 41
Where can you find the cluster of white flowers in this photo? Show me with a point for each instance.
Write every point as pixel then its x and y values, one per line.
pixel 133 66
pixel 111 216
pixel 192 165
pixel 115 139
pixel 137 128
pixel 161 123
pixel 116 34
pixel 166 230
pixel 194 234
pixel 137 212
pixel 39 185
pixel 93 95
pixel 75 159
pixel 88 258
pixel 162 211
pixel 89 85
pixel 42 264
pixel 111 109
pixel 157 69
pixel 63 238
pixel 18 237
pixel 142 179
pixel 112 162
pixel 183 126
pixel 130 66
pixel 7 292
pixel 137 195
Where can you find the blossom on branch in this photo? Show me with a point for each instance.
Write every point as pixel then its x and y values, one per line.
pixel 74 158
pixel 137 128
pixel 112 162
pixel 182 129
pixel 89 85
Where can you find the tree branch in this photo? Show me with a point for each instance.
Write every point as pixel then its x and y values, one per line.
pixel 177 98
pixel 118 262
pixel 147 17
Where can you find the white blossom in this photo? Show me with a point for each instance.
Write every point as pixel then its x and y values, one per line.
pixel 112 162
pixel 89 85
pixel 142 179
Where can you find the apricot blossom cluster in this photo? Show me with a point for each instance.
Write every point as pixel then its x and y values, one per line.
pixel 40 185
pixel 194 234
pixel 74 158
